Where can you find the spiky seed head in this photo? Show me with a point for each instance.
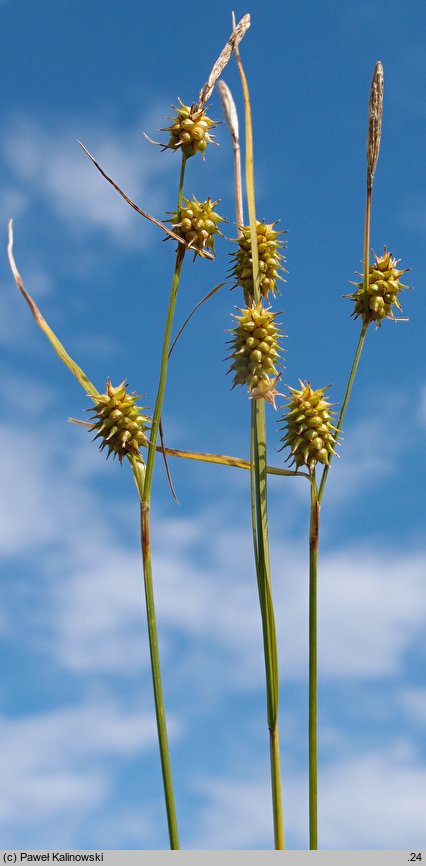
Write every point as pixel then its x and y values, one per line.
pixel 270 261
pixel 309 427
pixel 383 289
pixel 255 352
pixel 119 422
pixel 197 223
pixel 189 129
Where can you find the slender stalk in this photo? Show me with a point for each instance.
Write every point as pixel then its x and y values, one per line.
pixel 139 474
pixel 352 374
pixel 238 189
pixel 367 224
pixel 146 549
pixel 163 376
pixel 268 617
pixel 313 667
pixel 231 117
pixel 156 681
pixel 275 760
pixel 259 507
pixel 375 110
pixel 365 324
pixel 252 493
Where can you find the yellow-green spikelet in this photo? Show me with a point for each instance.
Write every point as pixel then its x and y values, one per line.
pixel 270 261
pixel 190 129
pixel 309 427
pixel 119 422
pixel 255 351
pixel 197 223
pixel 383 289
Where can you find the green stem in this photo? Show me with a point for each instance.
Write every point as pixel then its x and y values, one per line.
pixel 259 508
pixel 352 374
pixel 146 549
pixel 156 681
pixel 163 376
pixel 261 553
pixel 367 224
pixel 366 322
pixel 313 667
pixel 252 489
pixel 316 499
pixel 274 750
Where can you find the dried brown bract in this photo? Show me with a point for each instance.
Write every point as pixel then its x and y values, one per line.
pixel 232 43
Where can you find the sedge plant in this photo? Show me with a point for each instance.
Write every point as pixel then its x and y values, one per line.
pixel 311 429
pixel 117 420
pixel 255 355
pixel 310 426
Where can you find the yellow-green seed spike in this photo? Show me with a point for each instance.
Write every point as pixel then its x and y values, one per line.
pixel 255 352
pixel 197 223
pixel 190 130
pixel 309 429
pixel 119 422
pixel 270 261
pixel 384 286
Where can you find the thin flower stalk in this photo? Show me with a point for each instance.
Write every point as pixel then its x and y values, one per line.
pixel 348 392
pixel 310 434
pixel 236 36
pixel 313 666
pixel 374 131
pixel 259 506
pixel 231 117
pixel 375 112
pixel 139 473
pixel 146 543
pixel 138 469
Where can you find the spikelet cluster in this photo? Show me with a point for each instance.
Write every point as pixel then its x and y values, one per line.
pixel 383 289
pixel 190 129
pixel 119 422
pixel 197 223
pixel 309 429
pixel 255 351
pixel 270 261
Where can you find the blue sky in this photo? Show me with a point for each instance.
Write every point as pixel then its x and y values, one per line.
pixel 78 746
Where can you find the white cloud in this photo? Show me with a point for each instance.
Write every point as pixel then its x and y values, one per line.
pixel 371 604
pixel 15 323
pixel 372 800
pixel 47 164
pixel 89 620
pixel 385 790
pixel 236 815
pixel 364 461
pixel 13 204
pixel 57 762
pixel 371 610
pixel 413 701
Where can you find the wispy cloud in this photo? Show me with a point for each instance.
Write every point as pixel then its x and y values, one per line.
pixel 61 762
pixel 47 165
pixel 78 599
pixel 413 701
pixel 371 603
pixel 385 789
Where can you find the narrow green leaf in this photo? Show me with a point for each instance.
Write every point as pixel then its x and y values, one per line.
pixel 79 374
